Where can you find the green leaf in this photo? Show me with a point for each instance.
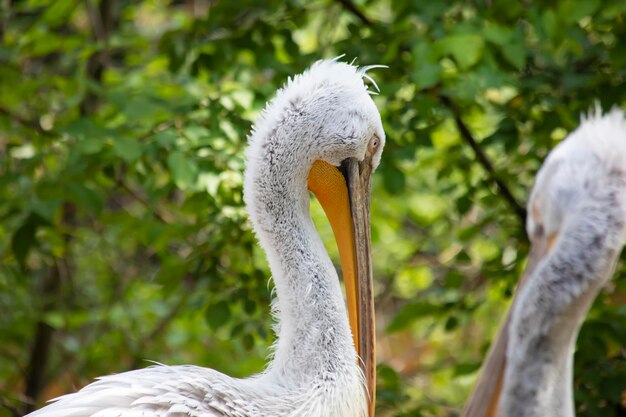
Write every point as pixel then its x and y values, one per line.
pixel 196 133
pixel 183 170
pixel 249 305
pixel 451 324
pixel 463 204
pixel 393 179
pixel 89 146
pixel 166 138
pixel 411 312
pixel 572 11
pixel 427 71
pixel 127 148
pixel 54 319
pixel 138 108
pixel 248 341
pixel 426 208
pixel 217 315
pixel 515 54
pixel 466 368
pixel 24 237
pixel 85 197
pixel 466 49
pixel 426 75
pixel 497 34
pixel 47 208
pixel 411 280
pixel 551 24
pixel 58 11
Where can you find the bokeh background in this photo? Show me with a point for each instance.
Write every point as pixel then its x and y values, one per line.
pixel 123 235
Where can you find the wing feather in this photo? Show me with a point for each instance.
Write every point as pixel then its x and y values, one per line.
pixel 158 391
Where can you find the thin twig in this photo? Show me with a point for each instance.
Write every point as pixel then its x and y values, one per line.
pixel 142 200
pixel 31 124
pixel 351 7
pixel 503 189
pixel 4 403
pixel 103 22
pixel 157 129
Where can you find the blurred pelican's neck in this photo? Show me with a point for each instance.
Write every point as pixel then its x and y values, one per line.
pixel 554 302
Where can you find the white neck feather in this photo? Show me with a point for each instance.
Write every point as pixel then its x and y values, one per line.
pixel 314 339
pixel 554 302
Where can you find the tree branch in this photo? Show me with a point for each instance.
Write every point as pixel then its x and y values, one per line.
pixel 103 21
pixel 482 158
pixel 141 200
pixel 40 350
pixel 31 124
pixel 351 7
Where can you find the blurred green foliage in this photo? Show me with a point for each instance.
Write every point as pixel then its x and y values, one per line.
pixel 123 235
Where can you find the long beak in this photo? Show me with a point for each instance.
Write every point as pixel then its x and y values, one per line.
pixel 357 176
pixel 344 194
pixel 485 398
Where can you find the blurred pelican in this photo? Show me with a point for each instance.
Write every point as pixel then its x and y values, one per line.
pixel 576 224
pixel 322 133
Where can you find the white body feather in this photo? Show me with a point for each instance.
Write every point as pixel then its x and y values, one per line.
pixel 325 113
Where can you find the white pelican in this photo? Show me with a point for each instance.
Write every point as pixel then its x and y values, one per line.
pixel 323 132
pixel 576 223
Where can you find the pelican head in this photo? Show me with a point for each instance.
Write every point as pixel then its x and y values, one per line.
pixel 322 133
pixel 577 227
pixel 591 161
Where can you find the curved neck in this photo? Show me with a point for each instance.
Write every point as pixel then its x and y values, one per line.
pixel 313 333
pixel 553 304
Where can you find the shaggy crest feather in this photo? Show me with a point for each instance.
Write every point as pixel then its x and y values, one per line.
pixel 592 151
pixel 602 134
pixel 321 74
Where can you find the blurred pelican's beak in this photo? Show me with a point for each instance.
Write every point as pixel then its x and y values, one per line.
pixel 344 194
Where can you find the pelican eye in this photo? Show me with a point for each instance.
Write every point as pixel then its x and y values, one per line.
pixel 374 143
